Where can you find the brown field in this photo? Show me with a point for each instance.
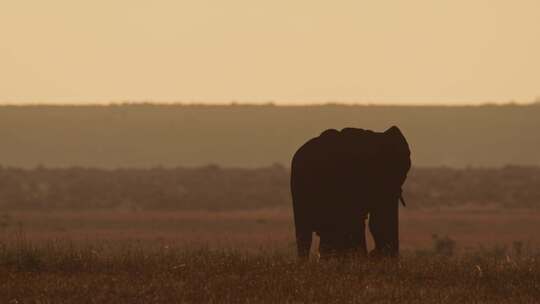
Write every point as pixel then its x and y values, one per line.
pixel 248 257
pixel 263 229
pixel 227 236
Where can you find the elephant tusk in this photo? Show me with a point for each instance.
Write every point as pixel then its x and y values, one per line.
pixel 402 200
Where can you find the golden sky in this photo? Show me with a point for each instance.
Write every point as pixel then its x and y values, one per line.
pixel 286 51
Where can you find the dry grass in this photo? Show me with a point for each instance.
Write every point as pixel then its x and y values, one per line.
pixel 246 257
pixel 62 273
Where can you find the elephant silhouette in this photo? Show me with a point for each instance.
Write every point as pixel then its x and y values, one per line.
pixel 338 180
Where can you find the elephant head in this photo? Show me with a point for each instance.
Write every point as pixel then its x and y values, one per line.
pixel 394 165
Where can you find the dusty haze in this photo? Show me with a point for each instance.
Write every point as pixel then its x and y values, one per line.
pixel 413 51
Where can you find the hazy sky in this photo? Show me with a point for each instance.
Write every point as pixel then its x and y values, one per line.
pixel 387 51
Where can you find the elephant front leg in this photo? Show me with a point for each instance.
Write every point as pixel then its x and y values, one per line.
pixel 384 227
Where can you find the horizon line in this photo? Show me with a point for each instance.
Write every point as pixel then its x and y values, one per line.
pixel 233 103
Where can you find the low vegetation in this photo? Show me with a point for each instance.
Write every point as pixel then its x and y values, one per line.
pixel 216 188
pixel 59 272
pixel 215 235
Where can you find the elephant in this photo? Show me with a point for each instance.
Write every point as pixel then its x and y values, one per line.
pixel 338 179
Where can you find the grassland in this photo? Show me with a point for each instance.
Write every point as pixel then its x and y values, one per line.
pixel 271 229
pixel 248 257
pixel 62 273
pixel 210 234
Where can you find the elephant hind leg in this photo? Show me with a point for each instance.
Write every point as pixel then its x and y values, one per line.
pixel 350 241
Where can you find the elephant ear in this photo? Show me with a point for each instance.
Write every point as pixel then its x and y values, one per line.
pixel 396 141
pixel 397 155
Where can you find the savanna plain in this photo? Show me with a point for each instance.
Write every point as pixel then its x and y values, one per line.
pixel 214 235
pixel 179 204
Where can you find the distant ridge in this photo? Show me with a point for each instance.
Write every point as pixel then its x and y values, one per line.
pixel 149 135
pixel 511 103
